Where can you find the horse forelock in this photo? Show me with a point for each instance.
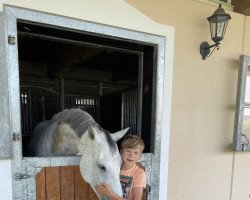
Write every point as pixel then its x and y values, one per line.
pixel 77 119
pixel 111 142
pixel 109 139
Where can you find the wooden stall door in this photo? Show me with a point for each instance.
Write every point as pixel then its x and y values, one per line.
pixel 62 183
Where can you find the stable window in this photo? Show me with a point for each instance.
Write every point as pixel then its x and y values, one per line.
pixel 110 78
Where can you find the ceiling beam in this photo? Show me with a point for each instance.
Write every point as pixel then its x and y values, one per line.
pixel 241 5
pixel 72 58
pixel 246 11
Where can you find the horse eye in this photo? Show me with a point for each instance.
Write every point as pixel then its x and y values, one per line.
pixel 101 167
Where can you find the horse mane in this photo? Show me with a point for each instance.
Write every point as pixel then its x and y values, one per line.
pixel 78 120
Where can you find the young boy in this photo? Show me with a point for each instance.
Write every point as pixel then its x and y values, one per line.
pixel 132 177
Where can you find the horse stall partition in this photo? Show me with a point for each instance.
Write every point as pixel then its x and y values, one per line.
pixel 40 104
pixel 60 63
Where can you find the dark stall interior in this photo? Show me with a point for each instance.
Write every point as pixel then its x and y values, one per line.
pixel 62 68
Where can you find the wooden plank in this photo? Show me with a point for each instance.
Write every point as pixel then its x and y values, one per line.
pixel 40 185
pixel 52 183
pixel 67 182
pixel 81 186
pixel 92 194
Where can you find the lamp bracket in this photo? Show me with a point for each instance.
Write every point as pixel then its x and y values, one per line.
pixel 205 49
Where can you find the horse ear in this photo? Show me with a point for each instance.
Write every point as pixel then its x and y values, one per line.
pixel 91 132
pixel 119 134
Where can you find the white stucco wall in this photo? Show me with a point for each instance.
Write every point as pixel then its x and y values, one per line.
pixel 111 12
pixel 202 166
pixel 5 180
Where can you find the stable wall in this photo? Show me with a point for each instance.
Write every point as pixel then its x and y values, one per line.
pixel 202 165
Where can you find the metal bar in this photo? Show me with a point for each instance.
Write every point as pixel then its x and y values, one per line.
pixel 154 96
pixel 122 112
pixel 62 94
pixel 100 88
pixel 79 85
pixel 29 99
pixel 78 43
pixel 38 87
pixel 43 98
pixel 139 95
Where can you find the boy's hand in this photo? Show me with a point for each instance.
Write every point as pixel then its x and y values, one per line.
pixel 104 190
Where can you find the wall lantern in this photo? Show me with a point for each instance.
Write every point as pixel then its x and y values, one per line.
pixel 218 25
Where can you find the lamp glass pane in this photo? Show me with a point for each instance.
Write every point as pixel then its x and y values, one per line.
pixel 220 29
pixel 213 29
pixel 225 28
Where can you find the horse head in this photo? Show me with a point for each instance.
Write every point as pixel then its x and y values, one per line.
pixel 101 160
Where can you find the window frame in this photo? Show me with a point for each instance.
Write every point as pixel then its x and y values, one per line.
pixel 238 144
pixel 28 167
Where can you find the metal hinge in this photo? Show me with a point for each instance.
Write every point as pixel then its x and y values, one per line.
pixel 11 39
pixel 16 136
pixel 147 192
pixel 19 176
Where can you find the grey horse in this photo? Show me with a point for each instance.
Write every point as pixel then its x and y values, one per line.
pixel 75 132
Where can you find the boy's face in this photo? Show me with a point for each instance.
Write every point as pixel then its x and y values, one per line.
pixel 130 156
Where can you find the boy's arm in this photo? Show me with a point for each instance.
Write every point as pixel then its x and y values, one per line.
pixel 137 193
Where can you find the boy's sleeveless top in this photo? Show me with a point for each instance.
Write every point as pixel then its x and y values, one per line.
pixel 134 177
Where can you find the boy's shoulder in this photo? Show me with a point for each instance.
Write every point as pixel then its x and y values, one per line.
pixel 138 170
pixel 139 167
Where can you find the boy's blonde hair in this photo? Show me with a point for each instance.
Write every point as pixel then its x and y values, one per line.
pixel 132 142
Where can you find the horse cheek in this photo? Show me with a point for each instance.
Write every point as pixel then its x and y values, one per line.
pixel 85 170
